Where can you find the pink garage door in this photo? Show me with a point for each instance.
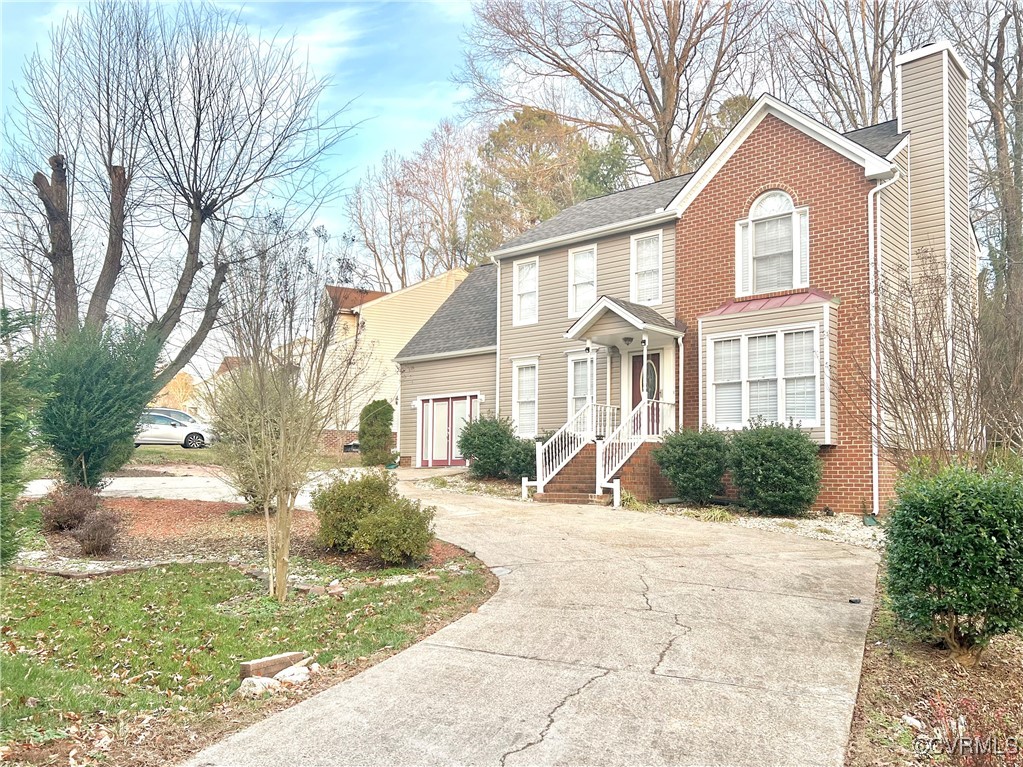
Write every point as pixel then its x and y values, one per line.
pixel 441 420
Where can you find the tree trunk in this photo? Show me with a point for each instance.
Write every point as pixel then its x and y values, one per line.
pixel 97 313
pixel 54 195
pixel 285 502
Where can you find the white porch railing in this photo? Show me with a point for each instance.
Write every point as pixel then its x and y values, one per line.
pixel 589 422
pixel 650 419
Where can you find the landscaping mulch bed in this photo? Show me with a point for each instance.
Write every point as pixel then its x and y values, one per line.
pixel 915 700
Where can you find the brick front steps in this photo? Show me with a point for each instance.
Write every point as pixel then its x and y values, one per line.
pixel 586 498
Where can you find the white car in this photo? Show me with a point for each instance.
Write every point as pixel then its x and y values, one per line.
pixel 160 429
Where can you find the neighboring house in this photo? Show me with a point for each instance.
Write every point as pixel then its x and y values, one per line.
pixel 746 289
pixel 381 324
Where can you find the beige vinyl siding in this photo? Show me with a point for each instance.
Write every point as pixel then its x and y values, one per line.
pixel 894 224
pixel 963 255
pixel 545 338
pixel 389 323
pixel 808 316
pixel 440 378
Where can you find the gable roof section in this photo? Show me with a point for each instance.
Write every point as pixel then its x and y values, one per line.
pixel 465 323
pixel 874 166
pixel 600 212
pixel 639 316
pixel 456 273
pixel 346 298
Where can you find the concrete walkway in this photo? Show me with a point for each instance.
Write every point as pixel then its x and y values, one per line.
pixel 616 638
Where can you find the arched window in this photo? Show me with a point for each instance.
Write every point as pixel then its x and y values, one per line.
pixel 771 250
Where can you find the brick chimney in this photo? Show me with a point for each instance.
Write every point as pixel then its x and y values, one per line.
pixel 932 86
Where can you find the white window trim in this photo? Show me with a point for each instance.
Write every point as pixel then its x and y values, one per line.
pixel 573 310
pixel 744 261
pixel 533 362
pixel 516 319
pixel 591 395
pixel 744 336
pixel 633 286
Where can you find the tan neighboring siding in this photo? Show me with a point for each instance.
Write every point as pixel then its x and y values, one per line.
pixel 438 378
pixel 388 324
pixel 810 316
pixel 545 339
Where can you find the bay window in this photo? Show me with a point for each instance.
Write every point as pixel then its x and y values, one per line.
pixel 769 375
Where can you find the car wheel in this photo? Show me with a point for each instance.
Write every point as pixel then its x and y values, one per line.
pixel 194 440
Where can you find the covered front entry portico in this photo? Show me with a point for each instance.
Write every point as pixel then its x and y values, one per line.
pixel 642 347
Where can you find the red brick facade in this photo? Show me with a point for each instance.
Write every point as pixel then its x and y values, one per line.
pixel 777 156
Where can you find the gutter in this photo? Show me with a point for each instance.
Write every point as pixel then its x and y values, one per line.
pixel 446 355
pixel 657 217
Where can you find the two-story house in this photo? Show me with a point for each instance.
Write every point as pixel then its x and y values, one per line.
pixel 747 289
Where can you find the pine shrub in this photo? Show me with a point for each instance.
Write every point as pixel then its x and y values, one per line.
pixel 376 435
pixel 955 556
pixel 694 462
pixel 775 468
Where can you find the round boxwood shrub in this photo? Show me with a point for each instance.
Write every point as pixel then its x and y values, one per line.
pixel 484 442
pixel 520 459
pixel 398 532
pixel 343 503
pixel 955 556
pixel 376 436
pixel 775 468
pixel 694 462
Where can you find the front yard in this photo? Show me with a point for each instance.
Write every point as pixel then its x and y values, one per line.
pixel 142 667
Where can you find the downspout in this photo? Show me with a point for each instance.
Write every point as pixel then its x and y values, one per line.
pixel 873 237
pixel 497 356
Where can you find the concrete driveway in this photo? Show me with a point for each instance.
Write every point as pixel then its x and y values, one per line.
pixel 616 637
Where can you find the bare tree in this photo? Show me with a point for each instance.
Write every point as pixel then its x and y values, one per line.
pixel 838 56
pixel 410 212
pixel 272 408
pixel 652 71
pixel 162 124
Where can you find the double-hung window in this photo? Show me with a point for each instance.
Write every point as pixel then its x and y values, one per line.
pixel 581 389
pixel 582 279
pixel 772 247
pixel 524 397
pixel 770 375
pixel 646 268
pixel 526 291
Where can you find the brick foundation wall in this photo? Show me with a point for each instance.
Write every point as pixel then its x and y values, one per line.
pixel 777 156
pixel 642 477
pixel 333 441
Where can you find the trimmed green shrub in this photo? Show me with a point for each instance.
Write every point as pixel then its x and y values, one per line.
pixel 95 386
pixel 520 459
pixel 955 556
pixel 775 468
pixel 399 532
pixel 694 462
pixel 484 443
pixel 67 507
pixel 98 532
pixel 18 403
pixel 376 436
pixel 342 504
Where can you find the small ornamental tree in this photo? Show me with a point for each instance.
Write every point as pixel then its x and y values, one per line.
pixel 694 462
pixel 775 468
pixel 955 556
pixel 376 436
pixel 94 386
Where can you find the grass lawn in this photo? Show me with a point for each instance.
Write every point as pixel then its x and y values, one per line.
pixel 167 642
pixel 907 682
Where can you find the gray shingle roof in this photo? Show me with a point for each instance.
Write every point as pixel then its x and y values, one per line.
pixel 643 313
pixel 603 211
pixel 466 320
pixel 879 139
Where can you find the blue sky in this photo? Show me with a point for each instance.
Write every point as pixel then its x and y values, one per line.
pixel 395 59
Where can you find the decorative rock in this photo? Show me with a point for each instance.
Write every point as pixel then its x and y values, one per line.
pixel 304 661
pixel 336 591
pixel 318 591
pixel 913 722
pixel 256 686
pixel 270 665
pixel 334 582
pixel 293 675
pixel 314 668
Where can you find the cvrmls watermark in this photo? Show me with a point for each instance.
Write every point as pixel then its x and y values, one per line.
pixel 993 745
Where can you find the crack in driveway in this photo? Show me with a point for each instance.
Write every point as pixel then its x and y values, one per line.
pixel 551 717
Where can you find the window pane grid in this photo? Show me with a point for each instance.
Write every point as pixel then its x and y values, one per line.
pixel 647 276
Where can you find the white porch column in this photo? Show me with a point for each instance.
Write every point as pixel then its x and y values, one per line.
pixel 645 411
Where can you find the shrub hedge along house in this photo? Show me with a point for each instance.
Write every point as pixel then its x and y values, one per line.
pixel 737 292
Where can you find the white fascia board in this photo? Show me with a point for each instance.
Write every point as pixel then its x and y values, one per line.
pixel 446 355
pixel 656 217
pixel 930 50
pixel 898 148
pixel 874 167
